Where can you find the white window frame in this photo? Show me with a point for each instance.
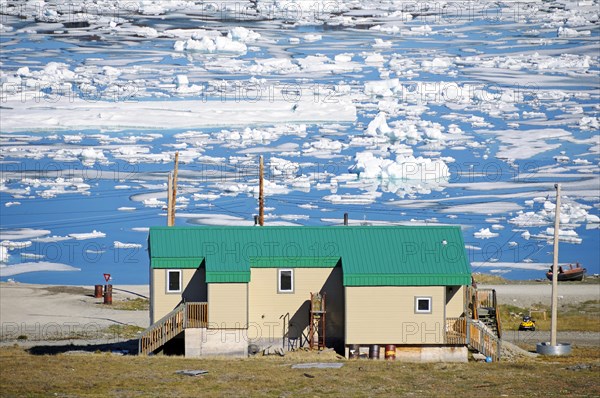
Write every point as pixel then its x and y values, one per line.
pixel 279 272
pixel 420 298
pixel 167 280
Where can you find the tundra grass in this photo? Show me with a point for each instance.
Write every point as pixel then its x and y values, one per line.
pixel 104 374
pixel 136 304
pixel 583 317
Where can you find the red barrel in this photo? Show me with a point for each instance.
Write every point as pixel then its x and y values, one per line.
pixel 108 294
pixel 97 291
pixel 390 352
pixel 374 351
pixel 353 351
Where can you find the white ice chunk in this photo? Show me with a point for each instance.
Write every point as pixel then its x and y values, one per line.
pixel 153 202
pixel 121 245
pixel 485 233
pixel 4 254
pixel 88 235
pixel 15 245
pixel 242 34
pixel 211 45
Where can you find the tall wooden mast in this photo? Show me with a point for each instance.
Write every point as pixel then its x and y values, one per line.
pixel 261 197
pixel 173 192
pixel 169 199
pixel 555 268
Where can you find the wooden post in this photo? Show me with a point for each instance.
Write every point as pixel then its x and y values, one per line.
pixel 261 197
pixel 169 199
pixel 555 268
pixel 174 190
pixel 466 300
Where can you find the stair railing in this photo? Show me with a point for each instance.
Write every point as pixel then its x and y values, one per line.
pixel 185 315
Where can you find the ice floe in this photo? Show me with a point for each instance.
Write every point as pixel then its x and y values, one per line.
pixel 121 245
pixel 404 168
pixel 82 114
pixel 12 245
pixel 485 233
pixel 87 235
pixel 211 45
pixel 16 269
pixel 22 233
pixel 4 254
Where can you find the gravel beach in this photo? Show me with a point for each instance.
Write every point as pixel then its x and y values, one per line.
pixel 531 294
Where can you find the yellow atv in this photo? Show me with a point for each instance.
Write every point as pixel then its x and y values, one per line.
pixel 527 324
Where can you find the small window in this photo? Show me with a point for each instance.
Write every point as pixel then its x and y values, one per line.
pixel 173 281
pixel 286 281
pixel 423 305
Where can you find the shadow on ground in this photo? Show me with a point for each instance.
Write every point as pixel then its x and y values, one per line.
pixel 128 347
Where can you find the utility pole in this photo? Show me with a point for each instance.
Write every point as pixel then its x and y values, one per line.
pixel 169 199
pixel 173 191
pixel 555 268
pixel 261 196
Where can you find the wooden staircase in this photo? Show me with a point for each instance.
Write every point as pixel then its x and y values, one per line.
pixel 185 315
pixel 485 309
pixel 485 331
pixel 480 329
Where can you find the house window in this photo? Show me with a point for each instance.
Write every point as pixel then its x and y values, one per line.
pixel 173 281
pixel 285 281
pixel 423 305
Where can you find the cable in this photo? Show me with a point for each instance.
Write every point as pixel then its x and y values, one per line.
pixel 76 221
pixel 510 238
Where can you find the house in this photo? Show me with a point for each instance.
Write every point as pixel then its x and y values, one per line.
pixel 224 289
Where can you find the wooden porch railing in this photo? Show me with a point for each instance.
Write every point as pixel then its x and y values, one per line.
pixel 456 331
pixel 483 340
pixel 196 315
pixel 185 315
pixel 463 330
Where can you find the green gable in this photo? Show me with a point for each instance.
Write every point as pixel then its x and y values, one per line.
pixel 369 256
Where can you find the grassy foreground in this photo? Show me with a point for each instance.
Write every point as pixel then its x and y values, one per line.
pixel 105 374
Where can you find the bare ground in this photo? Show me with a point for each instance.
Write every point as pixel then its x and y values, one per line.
pixel 36 313
pixel 529 295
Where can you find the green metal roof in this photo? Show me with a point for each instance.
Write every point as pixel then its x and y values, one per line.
pixel 176 262
pixel 369 256
pixel 227 276
pixel 294 262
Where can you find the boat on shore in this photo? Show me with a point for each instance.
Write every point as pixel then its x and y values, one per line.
pixel 575 273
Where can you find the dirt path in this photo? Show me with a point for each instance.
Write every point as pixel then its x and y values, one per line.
pixel 576 339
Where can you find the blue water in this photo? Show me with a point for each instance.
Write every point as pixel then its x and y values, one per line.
pixel 97 209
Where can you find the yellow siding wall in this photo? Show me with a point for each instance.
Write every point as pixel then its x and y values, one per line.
pixel 193 289
pixel 386 315
pixel 455 296
pixel 228 305
pixel 267 307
